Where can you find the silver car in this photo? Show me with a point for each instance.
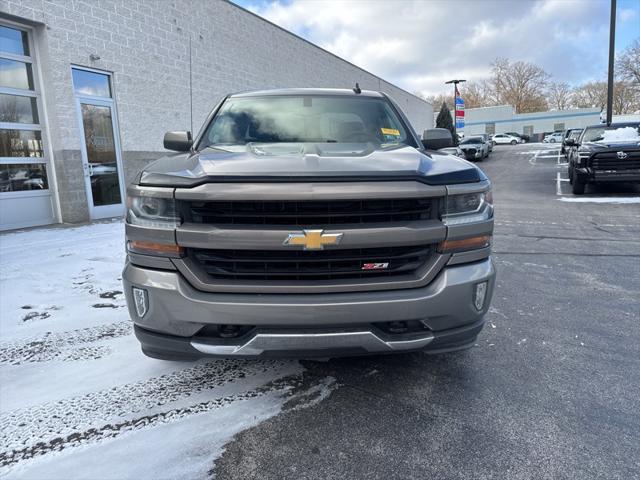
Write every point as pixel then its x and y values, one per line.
pixel 308 222
pixel 475 148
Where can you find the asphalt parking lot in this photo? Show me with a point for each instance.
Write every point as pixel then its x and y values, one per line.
pixel 550 390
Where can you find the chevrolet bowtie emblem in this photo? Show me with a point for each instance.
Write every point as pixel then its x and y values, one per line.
pixel 313 239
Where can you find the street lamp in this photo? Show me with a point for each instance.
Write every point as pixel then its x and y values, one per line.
pixel 612 46
pixel 455 89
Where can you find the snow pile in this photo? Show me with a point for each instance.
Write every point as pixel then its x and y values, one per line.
pixel 625 134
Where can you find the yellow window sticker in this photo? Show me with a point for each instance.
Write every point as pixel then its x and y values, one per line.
pixel 390 131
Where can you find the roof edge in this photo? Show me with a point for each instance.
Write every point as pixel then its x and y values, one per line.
pixel 230 2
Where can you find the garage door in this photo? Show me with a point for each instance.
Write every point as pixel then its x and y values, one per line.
pixel 25 188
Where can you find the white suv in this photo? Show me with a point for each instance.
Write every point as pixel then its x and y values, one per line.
pixel 503 138
pixel 554 137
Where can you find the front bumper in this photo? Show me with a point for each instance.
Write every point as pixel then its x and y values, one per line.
pixel 309 324
pixel 589 175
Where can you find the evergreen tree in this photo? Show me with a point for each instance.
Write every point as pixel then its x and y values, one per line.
pixel 444 120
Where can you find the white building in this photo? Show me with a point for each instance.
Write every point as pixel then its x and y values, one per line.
pixel 503 118
pixel 88 88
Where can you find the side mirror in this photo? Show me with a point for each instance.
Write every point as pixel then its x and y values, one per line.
pixel 437 138
pixel 570 142
pixel 178 141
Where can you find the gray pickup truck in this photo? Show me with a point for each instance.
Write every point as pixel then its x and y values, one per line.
pixel 308 222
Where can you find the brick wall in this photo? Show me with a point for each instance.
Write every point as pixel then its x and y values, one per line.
pixel 145 43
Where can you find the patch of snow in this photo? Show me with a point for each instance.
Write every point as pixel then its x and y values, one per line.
pixel 169 451
pixel 624 134
pixel 80 400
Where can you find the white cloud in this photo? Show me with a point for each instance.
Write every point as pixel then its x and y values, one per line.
pixel 420 44
pixel 627 14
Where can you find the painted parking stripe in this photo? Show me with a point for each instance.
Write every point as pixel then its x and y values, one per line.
pixel 625 200
pixel 559 181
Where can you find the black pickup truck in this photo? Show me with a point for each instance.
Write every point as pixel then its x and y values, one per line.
pixel 604 154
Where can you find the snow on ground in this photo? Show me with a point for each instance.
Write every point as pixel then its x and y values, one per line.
pixel 77 397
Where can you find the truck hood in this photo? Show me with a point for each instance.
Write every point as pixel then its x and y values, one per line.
pixel 307 161
pixel 621 144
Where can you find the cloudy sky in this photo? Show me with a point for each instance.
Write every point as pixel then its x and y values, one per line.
pixel 419 44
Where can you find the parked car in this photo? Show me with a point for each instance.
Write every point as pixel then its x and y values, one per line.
pixel 488 140
pixel 503 138
pixel 556 137
pixel 605 154
pixel 455 151
pixel 524 137
pixel 475 148
pixel 263 236
pixel 570 133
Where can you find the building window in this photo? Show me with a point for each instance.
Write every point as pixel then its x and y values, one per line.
pixel 490 128
pixel 22 159
pixel 527 130
pixel 93 84
pixel 558 127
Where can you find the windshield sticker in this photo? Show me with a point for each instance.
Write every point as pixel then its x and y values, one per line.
pixel 390 131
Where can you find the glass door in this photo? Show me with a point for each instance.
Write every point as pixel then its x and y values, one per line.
pixel 102 161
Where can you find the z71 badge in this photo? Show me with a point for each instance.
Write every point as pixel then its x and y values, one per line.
pixel 375 266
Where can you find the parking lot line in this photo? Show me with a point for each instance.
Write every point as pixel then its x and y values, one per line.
pixel 625 200
pixel 559 181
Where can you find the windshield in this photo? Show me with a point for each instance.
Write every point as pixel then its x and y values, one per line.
pixel 575 134
pixel 613 133
pixel 471 140
pixel 306 118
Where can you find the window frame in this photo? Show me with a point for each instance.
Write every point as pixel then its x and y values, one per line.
pixel 40 126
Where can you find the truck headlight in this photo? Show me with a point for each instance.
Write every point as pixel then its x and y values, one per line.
pixel 154 212
pixel 468 208
pixel 583 156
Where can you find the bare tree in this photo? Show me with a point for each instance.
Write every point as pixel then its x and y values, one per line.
pixel 559 95
pixel 591 94
pixel 626 98
pixel 628 64
pixel 521 84
pixel 477 94
pixel 439 99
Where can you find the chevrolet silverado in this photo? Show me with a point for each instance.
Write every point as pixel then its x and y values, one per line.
pixel 307 222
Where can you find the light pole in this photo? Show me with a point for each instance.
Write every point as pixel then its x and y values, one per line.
pixel 612 44
pixel 455 89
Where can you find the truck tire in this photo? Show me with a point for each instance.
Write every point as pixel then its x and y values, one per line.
pixel 513 142
pixel 577 187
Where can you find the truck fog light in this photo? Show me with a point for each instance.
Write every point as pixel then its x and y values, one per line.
pixel 480 295
pixel 140 300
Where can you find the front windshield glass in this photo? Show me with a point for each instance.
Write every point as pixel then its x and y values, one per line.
pixel 471 140
pixel 306 118
pixel 575 134
pixel 613 133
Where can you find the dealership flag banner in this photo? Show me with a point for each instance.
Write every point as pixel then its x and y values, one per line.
pixel 459 111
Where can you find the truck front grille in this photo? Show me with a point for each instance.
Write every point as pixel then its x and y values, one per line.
pixel 610 161
pixel 308 212
pixel 311 265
